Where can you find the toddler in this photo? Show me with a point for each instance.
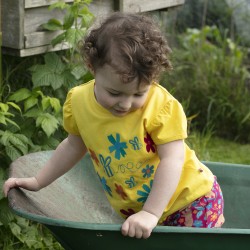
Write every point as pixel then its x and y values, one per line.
pixel 134 131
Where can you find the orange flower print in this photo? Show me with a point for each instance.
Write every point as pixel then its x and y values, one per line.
pixel 214 217
pixel 120 191
pixel 93 156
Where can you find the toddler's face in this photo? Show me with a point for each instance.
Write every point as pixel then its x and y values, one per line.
pixel 118 97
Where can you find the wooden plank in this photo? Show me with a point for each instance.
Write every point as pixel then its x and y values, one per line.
pixel 32 51
pixel 101 8
pixel 42 38
pixel 12 30
pixel 147 5
pixel 35 17
pixel 39 3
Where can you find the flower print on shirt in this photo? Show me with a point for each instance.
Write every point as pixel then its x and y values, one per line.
pixel 135 143
pixel 117 146
pixel 93 156
pixel 144 194
pixel 148 171
pixel 106 165
pixel 127 213
pixel 131 182
pixel 104 185
pixel 150 145
pixel 120 191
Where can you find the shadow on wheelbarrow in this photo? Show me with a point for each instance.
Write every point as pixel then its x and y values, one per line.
pixel 77 212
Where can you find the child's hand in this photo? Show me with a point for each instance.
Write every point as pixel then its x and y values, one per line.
pixel 26 183
pixel 139 225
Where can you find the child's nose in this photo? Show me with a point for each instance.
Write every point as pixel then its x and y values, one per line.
pixel 125 103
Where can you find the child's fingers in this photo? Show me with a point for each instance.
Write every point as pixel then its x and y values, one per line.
pixel 28 183
pixel 125 228
pixel 10 183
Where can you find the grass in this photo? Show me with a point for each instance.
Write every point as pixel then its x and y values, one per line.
pixel 211 148
pixel 227 151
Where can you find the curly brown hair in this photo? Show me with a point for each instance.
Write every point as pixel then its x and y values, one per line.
pixel 132 44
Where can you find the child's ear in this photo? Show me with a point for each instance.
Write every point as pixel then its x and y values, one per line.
pixel 91 68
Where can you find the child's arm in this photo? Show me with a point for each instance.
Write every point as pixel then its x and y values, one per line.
pixel 66 155
pixel 167 176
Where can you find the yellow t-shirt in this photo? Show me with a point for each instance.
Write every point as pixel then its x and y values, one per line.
pixel 123 149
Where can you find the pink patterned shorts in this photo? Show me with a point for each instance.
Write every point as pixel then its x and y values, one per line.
pixel 205 212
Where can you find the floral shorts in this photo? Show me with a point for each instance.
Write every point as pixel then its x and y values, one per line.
pixel 206 211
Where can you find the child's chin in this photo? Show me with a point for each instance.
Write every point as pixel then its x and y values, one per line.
pixel 119 113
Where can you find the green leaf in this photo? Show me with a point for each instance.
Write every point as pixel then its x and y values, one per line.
pixel 12 152
pixel 18 141
pixel 73 36
pixel 58 5
pixel 20 95
pixel 55 104
pixel 16 230
pixel 78 71
pixel 68 20
pixel 246 118
pixel 86 16
pixel 87 20
pixel 34 112
pixel 48 123
pixel 15 106
pixel 2 180
pixel 2 119
pixel 30 102
pixel 52 25
pixel 45 103
pixel 59 39
pixel 69 79
pixel 54 63
pixel 4 107
pixel 47 77
pixel 11 122
pixel 6 216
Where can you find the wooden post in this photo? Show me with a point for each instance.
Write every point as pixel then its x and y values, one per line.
pixel 1 77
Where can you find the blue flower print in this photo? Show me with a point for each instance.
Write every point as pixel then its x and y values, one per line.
pixel 131 182
pixel 197 223
pixel 106 165
pixel 117 146
pixel 148 171
pixel 135 143
pixel 144 195
pixel 104 185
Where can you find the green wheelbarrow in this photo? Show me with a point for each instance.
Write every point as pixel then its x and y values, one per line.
pixel 74 208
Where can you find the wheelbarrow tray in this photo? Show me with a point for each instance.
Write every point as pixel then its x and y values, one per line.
pixel 75 209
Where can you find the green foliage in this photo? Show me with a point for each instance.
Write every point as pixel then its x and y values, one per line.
pixel 75 22
pixel 54 73
pixel 25 117
pixel 63 71
pixel 19 233
pixel 31 116
pixel 211 72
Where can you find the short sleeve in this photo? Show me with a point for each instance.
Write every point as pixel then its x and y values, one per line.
pixel 69 122
pixel 169 124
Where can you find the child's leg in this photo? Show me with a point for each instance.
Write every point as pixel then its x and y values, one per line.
pixel 206 212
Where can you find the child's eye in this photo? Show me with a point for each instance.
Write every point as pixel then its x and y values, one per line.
pixel 139 95
pixel 113 94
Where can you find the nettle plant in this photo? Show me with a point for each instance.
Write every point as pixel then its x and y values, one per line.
pixel 31 119
pixel 25 118
pixel 65 69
